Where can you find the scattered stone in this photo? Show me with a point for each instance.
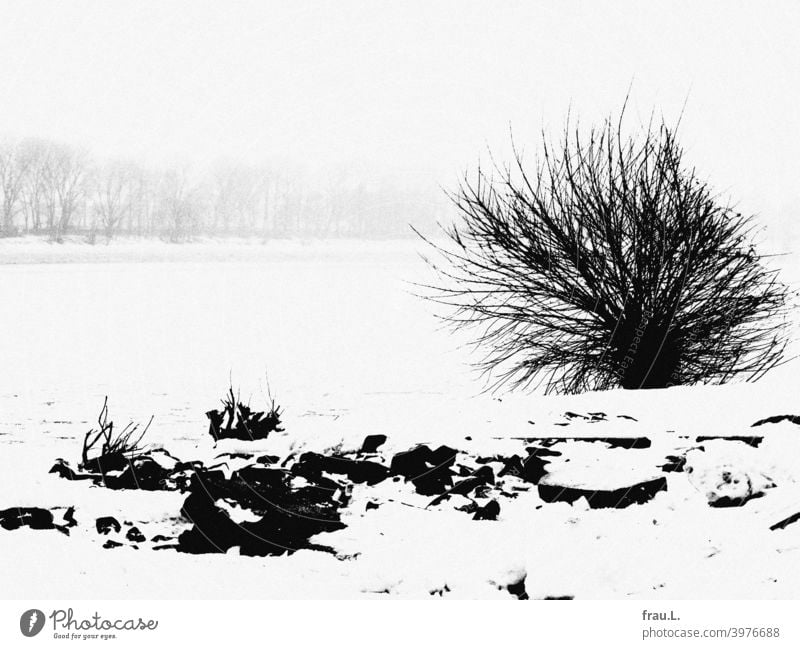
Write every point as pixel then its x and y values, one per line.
pixel 372 443
pixel 429 470
pixel 371 505
pixel 638 494
pixel 107 524
pixel 142 472
pixel 728 486
pixel 63 470
pixel 236 455
pixel 267 459
pixel 674 464
pixel 285 517
pixel 105 463
pixel 613 442
pixel 489 512
pixel 311 466
pixel 482 476
pixel 159 538
pixel 151 471
pixel 747 439
pixel 69 517
pixel 109 544
pixel 134 535
pixel 783 524
pixel 36 518
pixel 517 589
pixel 776 419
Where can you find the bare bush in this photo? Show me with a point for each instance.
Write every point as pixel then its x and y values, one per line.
pixel 116 447
pixel 608 264
pixel 238 421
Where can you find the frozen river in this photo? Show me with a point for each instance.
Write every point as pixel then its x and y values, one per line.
pixel 328 323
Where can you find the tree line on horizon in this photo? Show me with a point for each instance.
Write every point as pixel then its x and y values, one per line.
pixel 53 189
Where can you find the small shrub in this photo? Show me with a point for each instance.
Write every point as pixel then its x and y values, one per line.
pixel 116 448
pixel 238 421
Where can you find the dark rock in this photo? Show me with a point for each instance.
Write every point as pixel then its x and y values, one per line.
pixel 64 470
pixel 372 443
pixel 517 589
pixel 627 442
pixel 142 472
pixel 511 466
pixel 747 439
pixel 729 501
pixel 604 498
pixel 789 520
pixel 135 535
pixel 158 538
pixel 776 419
pixel 69 517
pixel 372 505
pixel 312 465
pixel 109 544
pixel 106 524
pixel 534 467
pixel 613 442
pixel 34 517
pixel 236 456
pixel 105 463
pixel 267 459
pixel 429 470
pixel 674 464
pixel 489 512
pixel 627 417
pixel 559 597
pixel 192 465
pixel 288 516
pixel 484 475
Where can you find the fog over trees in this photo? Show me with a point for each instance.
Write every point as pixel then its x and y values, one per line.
pixel 54 190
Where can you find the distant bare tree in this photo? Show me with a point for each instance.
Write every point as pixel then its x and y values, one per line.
pixel 55 188
pixel 65 187
pixel 113 191
pixel 180 205
pixel 235 195
pixel 13 171
pixel 36 154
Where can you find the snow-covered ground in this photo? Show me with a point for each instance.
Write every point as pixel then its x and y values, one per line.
pixel 351 351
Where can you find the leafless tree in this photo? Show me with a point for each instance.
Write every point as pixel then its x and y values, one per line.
pixel 36 154
pixel 180 202
pixel 65 187
pixel 114 185
pixel 608 264
pixel 13 172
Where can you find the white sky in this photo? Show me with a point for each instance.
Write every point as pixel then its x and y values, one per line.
pixel 402 86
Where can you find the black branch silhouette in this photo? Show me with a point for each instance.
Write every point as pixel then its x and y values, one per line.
pixel 117 447
pixel 610 264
